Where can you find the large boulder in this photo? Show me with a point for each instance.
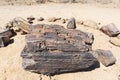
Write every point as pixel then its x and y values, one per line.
pixel 52 49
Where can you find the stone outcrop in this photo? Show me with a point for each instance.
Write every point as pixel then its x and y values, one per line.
pixel 52 49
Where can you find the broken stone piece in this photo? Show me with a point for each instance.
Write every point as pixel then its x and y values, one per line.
pixel 52 49
pixel 4 41
pixel 91 24
pixel 7 32
pixel 115 41
pixel 71 23
pixel 21 23
pixel 53 19
pixel 105 57
pixel 110 30
pixel 31 18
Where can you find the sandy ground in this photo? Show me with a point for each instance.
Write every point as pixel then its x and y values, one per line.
pixel 11 62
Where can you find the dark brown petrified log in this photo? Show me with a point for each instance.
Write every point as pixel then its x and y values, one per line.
pixel 52 49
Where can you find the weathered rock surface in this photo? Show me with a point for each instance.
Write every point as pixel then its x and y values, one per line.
pixel 71 23
pixel 52 49
pixel 53 19
pixel 7 32
pixel 4 40
pixel 21 24
pixel 110 30
pixel 105 57
pixel 91 24
pixel 115 41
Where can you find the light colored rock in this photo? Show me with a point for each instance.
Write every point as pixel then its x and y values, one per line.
pixel 21 23
pixel 115 41
pixel 91 24
pixel 53 19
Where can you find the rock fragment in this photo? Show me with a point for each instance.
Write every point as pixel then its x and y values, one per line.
pixel 7 32
pixel 115 41
pixel 110 30
pixel 71 24
pixel 31 18
pixel 91 24
pixel 21 24
pixel 4 41
pixel 53 19
pixel 105 57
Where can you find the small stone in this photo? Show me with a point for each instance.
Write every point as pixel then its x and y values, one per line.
pixel 30 22
pixel 31 18
pixel 40 19
pixel 22 24
pixel 105 57
pixel 115 41
pixel 61 21
pixel 90 39
pixel 53 19
pixel 71 24
pixel 110 30
pixel 7 32
pixel 91 24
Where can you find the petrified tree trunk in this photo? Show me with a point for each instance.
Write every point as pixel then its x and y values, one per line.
pixel 52 49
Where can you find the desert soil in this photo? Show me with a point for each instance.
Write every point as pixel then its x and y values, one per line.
pixel 11 62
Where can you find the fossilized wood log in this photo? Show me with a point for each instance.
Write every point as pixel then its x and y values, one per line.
pixel 4 41
pixel 52 49
pixel 7 33
pixel 21 24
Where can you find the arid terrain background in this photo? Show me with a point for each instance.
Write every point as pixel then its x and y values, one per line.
pixel 11 62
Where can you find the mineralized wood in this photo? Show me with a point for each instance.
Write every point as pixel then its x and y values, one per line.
pixel 52 49
pixel 4 41
pixel 7 33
